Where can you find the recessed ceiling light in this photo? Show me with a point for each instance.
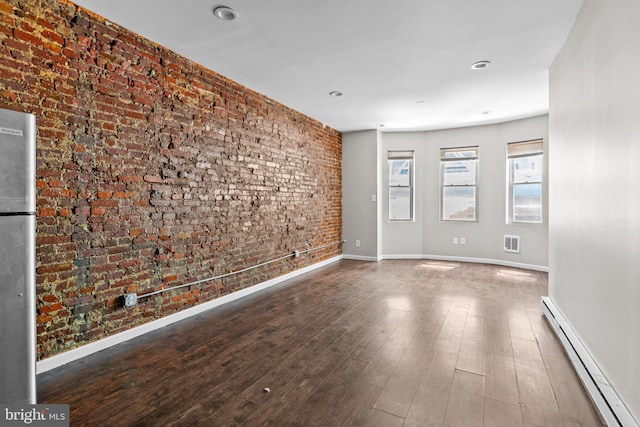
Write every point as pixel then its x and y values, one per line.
pixel 480 65
pixel 486 112
pixel 225 13
pixel 419 102
pixel 336 93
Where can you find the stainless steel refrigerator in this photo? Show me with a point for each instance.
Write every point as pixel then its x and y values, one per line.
pixel 17 258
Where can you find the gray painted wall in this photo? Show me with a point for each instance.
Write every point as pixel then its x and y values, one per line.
pixel 360 177
pixel 365 172
pixel 401 237
pixel 594 235
pixel 427 235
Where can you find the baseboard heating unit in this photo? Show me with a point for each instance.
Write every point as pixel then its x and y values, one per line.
pixel 610 406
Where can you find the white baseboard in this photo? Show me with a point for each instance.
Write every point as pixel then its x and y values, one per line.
pixel 403 256
pixel 603 395
pixel 93 347
pixel 361 258
pixel 468 259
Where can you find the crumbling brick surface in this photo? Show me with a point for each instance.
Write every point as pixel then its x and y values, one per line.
pixel 153 171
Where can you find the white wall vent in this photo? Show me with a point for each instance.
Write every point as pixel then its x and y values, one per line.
pixel 512 244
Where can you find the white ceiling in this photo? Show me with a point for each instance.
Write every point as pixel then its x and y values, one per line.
pixel 403 64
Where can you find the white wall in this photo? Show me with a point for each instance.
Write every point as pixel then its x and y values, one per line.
pixel 360 180
pixel 427 235
pixel 594 235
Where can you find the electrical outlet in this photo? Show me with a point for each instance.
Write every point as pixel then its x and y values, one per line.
pixel 455 240
pixel 357 243
pixel 130 299
pixel 463 241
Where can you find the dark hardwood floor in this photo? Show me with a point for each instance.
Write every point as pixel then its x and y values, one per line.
pixel 394 343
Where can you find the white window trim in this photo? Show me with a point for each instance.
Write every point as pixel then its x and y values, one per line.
pixel 402 155
pixel 516 150
pixel 443 161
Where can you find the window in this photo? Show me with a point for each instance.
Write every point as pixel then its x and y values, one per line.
pixel 400 185
pixel 459 179
pixel 524 162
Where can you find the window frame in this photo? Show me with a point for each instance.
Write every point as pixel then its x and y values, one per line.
pixel 522 150
pixel 406 155
pixel 444 160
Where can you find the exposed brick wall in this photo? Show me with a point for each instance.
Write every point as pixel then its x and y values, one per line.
pixel 153 171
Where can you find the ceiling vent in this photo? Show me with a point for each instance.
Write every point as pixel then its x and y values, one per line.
pixel 512 244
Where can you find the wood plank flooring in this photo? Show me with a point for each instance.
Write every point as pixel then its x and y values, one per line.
pixel 394 343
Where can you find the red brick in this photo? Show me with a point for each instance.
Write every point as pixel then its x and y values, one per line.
pixel 27 37
pixel 150 178
pixel 49 298
pixel 170 279
pixel 43 318
pixel 104 203
pixel 53 37
pixel 44 309
pixel 47 192
pixel 6 8
pixel 130 178
pixel 143 177
pixel 83 211
pixel 53 268
pixel 44 212
pixel 136 232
